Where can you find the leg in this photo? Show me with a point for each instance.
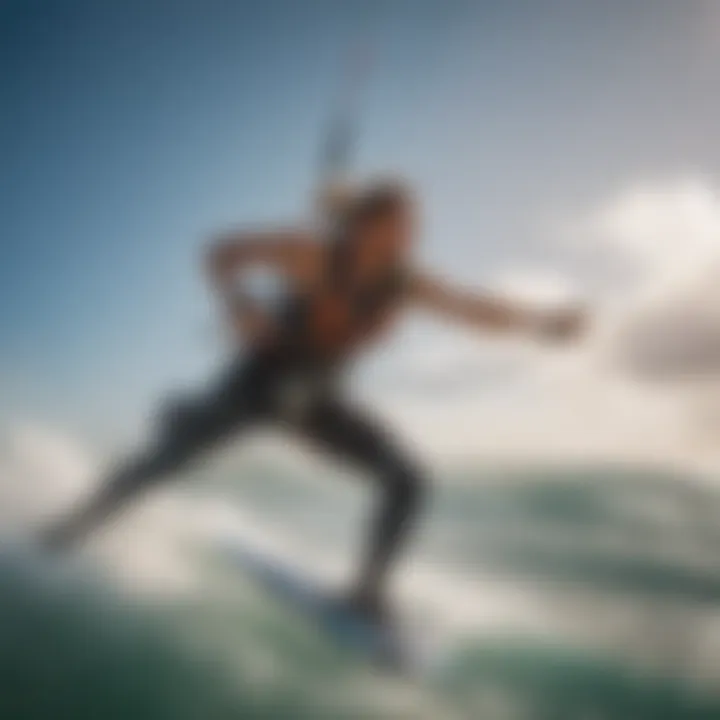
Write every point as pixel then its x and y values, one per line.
pixel 186 431
pixel 116 490
pixel 347 433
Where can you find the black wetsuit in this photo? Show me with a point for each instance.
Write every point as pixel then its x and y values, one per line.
pixel 292 385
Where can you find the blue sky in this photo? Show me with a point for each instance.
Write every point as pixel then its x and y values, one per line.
pixel 130 130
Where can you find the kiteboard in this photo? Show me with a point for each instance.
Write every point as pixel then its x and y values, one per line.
pixel 387 648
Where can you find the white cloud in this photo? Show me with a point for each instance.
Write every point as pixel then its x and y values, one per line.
pixel 666 229
pixel 38 470
pixel 655 241
pixel 43 473
pixel 539 286
pixel 666 318
pixel 653 250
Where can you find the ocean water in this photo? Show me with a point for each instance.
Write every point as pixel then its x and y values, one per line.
pixel 549 592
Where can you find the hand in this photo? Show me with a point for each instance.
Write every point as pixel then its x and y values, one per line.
pixel 561 325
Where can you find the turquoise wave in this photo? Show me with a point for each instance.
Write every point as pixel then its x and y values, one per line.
pixel 72 648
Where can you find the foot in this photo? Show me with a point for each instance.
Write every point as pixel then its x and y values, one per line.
pixel 369 605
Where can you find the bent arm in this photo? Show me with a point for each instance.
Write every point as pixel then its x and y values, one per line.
pixel 492 313
pixel 287 251
pixel 290 252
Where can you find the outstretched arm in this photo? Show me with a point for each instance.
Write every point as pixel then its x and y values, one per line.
pixel 492 313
